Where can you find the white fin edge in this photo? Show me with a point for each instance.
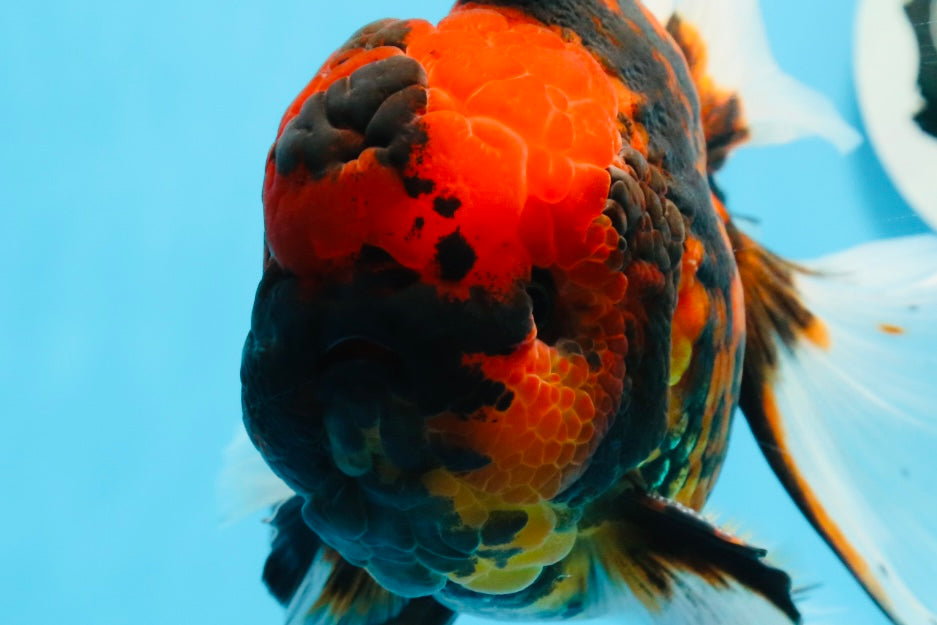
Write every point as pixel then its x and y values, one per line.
pixel 246 484
pixel 859 416
pixel 299 609
pixel 777 108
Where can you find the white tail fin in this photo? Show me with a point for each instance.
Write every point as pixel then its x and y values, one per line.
pixel 847 413
pixel 777 108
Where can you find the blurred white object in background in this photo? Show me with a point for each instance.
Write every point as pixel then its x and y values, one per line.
pixel 886 66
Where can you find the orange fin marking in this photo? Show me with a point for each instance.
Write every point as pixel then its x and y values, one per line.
pixel 890 328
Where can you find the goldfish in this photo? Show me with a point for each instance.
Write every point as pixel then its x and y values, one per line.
pixel 506 318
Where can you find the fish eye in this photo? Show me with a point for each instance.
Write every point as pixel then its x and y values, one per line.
pixel 542 293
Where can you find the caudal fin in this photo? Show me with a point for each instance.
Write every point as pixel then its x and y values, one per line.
pixel 839 390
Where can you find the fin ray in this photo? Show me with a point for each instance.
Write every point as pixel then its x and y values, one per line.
pixel 840 397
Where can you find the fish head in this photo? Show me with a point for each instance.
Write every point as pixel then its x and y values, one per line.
pixel 444 320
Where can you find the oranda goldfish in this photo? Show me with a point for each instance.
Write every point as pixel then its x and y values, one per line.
pixel 505 320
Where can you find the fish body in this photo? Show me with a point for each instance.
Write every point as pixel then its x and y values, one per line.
pixel 500 334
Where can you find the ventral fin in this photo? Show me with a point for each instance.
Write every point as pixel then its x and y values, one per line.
pixel 744 94
pixel 838 389
pixel 682 569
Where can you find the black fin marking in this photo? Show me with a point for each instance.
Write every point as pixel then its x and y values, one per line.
pixel 660 537
pixel 292 550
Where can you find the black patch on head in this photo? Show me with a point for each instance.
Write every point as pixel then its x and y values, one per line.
pixel 392 118
pixel 385 32
pixel 363 37
pixel 505 401
pixel 502 526
pixel 446 206
pixel 455 256
pixel 416 229
pixel 376 106
pixel 352 101
pixel 416 186
pixel 543 299
pixel 309 139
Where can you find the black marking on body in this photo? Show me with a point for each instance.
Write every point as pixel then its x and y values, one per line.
pixel 455 256
pixel 456 458
pixel 499 556
pixel 674 459
pixel 496 606
pixel 338 381
pixel 502 526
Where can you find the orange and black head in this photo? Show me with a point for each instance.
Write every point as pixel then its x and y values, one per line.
pixel 465 310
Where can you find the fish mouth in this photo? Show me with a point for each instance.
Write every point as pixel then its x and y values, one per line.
pixel 359 350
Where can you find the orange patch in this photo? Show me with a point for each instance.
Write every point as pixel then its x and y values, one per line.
pixel 561 404
pixel 521 122
pixel 889 328
pixel 817 333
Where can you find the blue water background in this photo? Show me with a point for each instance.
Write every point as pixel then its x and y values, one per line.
pixel 132 143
